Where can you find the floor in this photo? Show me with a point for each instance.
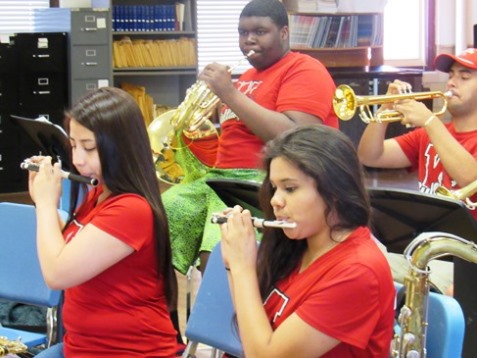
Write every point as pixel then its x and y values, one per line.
pixel 375 178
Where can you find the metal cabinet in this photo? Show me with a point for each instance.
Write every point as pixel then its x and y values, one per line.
pixel 42 77
pixel 89 45
pixel 33 83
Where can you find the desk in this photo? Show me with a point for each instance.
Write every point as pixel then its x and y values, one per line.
pixel 373 81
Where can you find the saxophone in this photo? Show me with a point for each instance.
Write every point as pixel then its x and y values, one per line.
pixel 11 347
pixel 411 342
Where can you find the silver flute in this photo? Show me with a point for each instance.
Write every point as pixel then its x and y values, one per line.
pixel 26 165
pixel 256 222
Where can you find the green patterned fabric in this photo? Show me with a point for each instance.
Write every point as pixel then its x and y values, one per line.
pixel 189 207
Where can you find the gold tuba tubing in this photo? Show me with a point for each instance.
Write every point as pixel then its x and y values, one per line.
pixel 411 342
pixel 11 347
pixel 345 103
pixel 462 194
pixel 174 161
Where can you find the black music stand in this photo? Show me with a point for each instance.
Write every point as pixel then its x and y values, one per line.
pixel 51 139
pixel 238 192
pixel 398 216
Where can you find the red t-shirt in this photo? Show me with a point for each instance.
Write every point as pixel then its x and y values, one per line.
pixel 297 82
pixel 122 312
pixel 418 148
pixel 348 294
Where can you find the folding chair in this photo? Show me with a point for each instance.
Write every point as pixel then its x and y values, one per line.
pixel 446 326
pixel 211 321
pixel 20 274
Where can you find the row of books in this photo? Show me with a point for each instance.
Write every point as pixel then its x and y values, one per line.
pixel 335 31
pixel 129 53
pixel 166 17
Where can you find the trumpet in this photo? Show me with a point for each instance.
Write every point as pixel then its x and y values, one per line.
pixel 256 222
pixel 462 194
pixel 345 103
pixel 27 165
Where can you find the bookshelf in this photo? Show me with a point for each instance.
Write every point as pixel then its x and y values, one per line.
pixel 338 39
pixel 154 47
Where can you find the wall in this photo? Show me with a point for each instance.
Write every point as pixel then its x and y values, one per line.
pixel 454 24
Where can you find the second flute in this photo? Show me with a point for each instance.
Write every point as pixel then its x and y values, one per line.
pixel 66 175
pixel 256 222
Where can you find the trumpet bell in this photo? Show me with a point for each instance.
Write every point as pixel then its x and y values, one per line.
pixel 344 102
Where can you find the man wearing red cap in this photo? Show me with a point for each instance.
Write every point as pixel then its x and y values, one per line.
pixel 443 153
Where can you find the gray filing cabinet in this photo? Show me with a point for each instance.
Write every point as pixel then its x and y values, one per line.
pixel 89 45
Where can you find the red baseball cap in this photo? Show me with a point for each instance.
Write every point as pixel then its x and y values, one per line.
pixel 467 59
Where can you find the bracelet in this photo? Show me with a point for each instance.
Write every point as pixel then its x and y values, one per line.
pixel 429 120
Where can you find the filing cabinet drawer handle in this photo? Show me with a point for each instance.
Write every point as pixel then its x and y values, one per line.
pixel 91 63
pixel 90 29
pixel 41 56
pixel 41 92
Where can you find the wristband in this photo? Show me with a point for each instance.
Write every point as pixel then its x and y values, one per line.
pixel 429 120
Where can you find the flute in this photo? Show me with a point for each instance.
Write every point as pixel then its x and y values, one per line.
pixel 256 222
pixel 26 165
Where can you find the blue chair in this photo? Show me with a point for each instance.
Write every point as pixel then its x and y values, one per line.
pixel 446 326
pixel 20 274
pixel 211 321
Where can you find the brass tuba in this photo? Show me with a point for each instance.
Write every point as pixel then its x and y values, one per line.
pixel 345 103
pixel 175 163
pixel 411 342
pixel 11 347
pixel 462 194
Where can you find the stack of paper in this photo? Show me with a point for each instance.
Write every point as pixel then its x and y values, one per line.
pixel 144 101
pixel 154 53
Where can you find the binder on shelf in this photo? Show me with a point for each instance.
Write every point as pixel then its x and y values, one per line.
pixel 188 16
pixel 180 16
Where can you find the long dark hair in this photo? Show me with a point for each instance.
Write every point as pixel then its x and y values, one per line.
pixel 126 162
pixel 329 157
